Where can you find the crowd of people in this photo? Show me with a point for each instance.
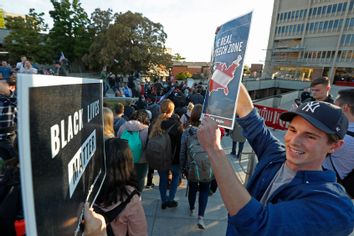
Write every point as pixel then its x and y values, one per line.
pixel 296 189
pixel 25 66
pixel 293 185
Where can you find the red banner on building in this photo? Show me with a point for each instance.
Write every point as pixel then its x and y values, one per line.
pixel 271 117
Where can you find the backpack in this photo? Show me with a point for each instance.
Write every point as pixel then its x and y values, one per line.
pixel 158 151
pixel 198 164
pixel 135 144
pixel 109 216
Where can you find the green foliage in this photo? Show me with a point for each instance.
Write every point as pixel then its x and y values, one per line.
pixel 131 43
pixel 178 57
pixel 26 37
pixel 100 20
pixel 70 33
pixel 246 70
pixel 183 75
pixel 125 42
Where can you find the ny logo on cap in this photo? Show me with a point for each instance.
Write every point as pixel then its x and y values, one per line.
pixel 311 106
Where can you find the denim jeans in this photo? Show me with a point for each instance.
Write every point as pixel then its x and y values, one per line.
pixel 203 188
pixel 240 148
pixel 176 172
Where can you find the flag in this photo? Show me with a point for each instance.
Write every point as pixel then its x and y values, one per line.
pixel 62 57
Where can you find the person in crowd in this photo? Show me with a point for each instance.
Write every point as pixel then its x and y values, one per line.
pixel 164 121
pixel 5 70
pixel 237 137
pixel 119 120
pixel 289 193
pixel 139 122
pixel 127 92
pixel 342 161
pixel 141 103
pixel 108 130
pixel 8 117
pixel 194 187
pixel 120 185
pixel 20 65
pixel 154 108
pixel 28 68
pixel 320 90
pixel 197 97
pixel 185 117
pixel 128 111
pixel 59 69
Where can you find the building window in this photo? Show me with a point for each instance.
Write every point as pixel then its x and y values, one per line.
pixel 320 26
pixel 315 28
pixel 329 9
pixel 292 15
pixel 311 26
pixel 351 5
pixel 323 55
pixel 287 16
pixel 325 26
pixel 314 11
pixel 330 25
pixel 324 10
pixel 347 40
pixel 334 8
pixel 344 6
pixel 340 5
pixel 351 24
pixel 319 10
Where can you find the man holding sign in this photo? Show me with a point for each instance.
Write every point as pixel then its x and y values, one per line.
pixel 289 193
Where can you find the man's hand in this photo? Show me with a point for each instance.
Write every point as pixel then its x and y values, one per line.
pixel 95 224
pixel 209 134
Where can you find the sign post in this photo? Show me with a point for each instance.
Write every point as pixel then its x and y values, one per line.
pixel 61 150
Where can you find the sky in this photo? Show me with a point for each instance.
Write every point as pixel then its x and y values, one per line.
pixel 190 24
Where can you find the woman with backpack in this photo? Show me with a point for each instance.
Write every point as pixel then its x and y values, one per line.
pixel 119 191
pixel 196 181
pixel 136 132
pixel 169 122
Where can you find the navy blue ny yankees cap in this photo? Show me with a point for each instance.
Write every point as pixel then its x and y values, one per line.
pixel 322 115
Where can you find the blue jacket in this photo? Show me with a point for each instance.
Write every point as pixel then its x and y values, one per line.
pixel 311 204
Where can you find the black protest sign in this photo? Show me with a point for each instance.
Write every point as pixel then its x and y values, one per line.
pixel 64 157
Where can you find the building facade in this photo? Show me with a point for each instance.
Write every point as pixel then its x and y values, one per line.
pixel 311 38
pixel 201 69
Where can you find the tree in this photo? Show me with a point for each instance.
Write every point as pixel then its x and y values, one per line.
pixel 26 37
pixel 100 20
pixel 183 75
pixel 70 32
pixel 246 70
pixel 178 57
pixel 132 43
